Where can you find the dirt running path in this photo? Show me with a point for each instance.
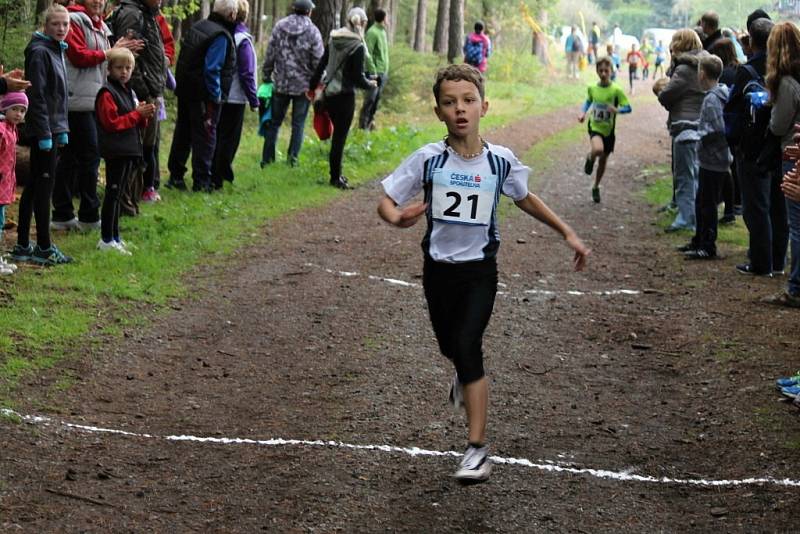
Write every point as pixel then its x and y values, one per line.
pixel 294 339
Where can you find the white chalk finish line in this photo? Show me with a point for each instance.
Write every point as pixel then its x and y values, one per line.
pixel 551 467
pixel 540 292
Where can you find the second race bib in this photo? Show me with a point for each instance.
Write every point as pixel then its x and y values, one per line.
pixel 601 113
pixel 461 197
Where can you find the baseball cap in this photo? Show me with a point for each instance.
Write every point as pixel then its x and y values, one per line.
pixel 304 5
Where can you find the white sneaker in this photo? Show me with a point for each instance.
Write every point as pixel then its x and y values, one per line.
pixel 87 227
pixel 112 246
pixel 476 466
pixel 64 226
pixel 6 264
pixel 126 245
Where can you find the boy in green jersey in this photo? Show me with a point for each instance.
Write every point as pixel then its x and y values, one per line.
pixel 605 99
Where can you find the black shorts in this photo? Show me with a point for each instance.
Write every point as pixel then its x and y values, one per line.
pixel 608 141
pixel 460 300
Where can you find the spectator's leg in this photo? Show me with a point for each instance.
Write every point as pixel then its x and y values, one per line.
pixel 279 105
pixel 300 106
pixel 87 156
pixel 181 143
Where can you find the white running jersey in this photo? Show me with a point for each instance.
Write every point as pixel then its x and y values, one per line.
pixel 462 197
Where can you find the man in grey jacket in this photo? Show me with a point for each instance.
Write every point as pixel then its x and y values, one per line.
pixel 293 53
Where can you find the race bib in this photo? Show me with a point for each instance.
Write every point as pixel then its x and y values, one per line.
pixel 601 113
pixel 461 197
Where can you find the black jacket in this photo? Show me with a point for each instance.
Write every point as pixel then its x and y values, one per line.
pixel 190 70
pixel 127 143
pixel 47 95
pixel 711 39
pixel 736 101
pixel 149 77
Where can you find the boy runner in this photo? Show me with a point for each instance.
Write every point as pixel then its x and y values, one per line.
pixel 461 178
pixel 605 100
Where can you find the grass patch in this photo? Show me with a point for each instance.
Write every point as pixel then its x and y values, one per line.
pixel 658 192
pixel 50 314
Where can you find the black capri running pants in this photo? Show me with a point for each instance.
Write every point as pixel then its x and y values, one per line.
pixel 460 300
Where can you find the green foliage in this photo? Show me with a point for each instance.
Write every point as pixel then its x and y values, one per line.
pixel 632 19
pixel 410 78
pixel 181 10
pixel 13 41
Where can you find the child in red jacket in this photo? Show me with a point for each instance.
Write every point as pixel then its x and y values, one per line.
pixel 13 106
pixel 119 117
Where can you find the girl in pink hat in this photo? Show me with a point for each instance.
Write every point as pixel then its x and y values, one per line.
pixel 13 106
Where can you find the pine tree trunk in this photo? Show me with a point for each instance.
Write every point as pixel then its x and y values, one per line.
pixel 419 33
pixel 394 9
pixel 326 16
pixel 276 13
pixel 456 30
pixel 442 19
pixel 412 30
pixel 41 7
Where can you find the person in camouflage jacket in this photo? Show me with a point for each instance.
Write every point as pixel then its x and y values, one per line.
pixel 293 53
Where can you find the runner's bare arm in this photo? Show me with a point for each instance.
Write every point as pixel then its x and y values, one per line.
pixel 535 207
pixel 402 218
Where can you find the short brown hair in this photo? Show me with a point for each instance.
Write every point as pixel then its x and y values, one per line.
pixel 120 55
pixel 710 65
pixel 710 19
pixel 603 61
pixel 456 73
pixel 725 50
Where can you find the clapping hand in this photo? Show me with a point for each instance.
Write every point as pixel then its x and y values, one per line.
pixel 146 110
pixel 791 185
pixel 14 80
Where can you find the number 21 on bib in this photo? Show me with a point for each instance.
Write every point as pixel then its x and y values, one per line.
pixel 460 197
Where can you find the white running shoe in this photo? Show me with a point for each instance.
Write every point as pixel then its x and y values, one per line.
pixel 5 264
pixel 112 246
pixel 476 466
pixel 65 226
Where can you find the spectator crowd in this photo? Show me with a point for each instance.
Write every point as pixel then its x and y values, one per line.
pixel 93 88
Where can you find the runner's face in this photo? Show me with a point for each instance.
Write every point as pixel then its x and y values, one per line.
pixel 121 71
pixel 460 107
pixel 57 26
pixel 604 72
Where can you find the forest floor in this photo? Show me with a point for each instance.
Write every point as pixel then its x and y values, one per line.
pixel 636 396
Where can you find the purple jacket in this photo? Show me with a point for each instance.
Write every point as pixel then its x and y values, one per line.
pixel 243 86
pixel 293 53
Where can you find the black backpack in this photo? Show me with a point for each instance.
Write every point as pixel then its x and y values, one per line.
pixel 750 124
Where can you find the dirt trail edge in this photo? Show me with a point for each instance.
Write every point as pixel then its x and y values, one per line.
pixel 645 365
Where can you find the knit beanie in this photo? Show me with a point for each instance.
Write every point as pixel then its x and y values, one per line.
pixel 13 99
pixel 757 14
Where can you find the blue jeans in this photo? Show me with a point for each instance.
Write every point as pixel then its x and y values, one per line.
pixel 371 99
pixel 280 105
pixel 685 169
pixel 764 214
pixel 793 214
